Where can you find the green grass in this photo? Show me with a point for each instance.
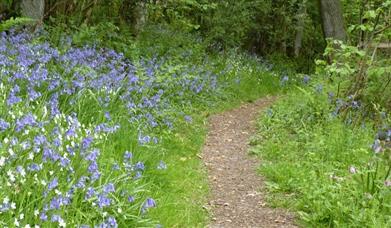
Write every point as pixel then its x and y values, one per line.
pixel 306 156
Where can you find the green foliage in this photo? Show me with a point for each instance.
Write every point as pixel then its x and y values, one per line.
pixel 14 23
pixel 360 69
pixel 321 167
pixel 187 15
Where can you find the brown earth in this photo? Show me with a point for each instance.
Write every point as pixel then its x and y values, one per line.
pixel 237 199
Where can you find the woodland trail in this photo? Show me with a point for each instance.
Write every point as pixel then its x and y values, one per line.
pixel 236 197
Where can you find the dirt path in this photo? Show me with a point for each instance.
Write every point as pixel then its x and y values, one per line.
pixel 236 199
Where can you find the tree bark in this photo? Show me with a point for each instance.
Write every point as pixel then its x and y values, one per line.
pixel 135 14
pixel 300 29
pixel 141 17
pixel 332 19
pixel 34 9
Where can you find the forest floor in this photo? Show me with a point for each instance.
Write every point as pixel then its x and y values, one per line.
pixel 237 192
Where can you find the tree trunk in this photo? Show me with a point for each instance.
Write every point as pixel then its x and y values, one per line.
pixel 135 14
pixel 332 19
pixel 300 29
pixel 140 17
pixel 34 9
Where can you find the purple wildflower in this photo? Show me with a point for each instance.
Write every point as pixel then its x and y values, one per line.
pixel 131 199
pixel 108 188
pixel 4 125
pixel 103 201
pixel 188 119
pixel 149 203
pixel 53 184
pixel 162 165
pixel 306 79
pixel 140 166
pixel 128 155
pixel 89 193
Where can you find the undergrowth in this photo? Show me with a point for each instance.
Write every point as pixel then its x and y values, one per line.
pixel 325 167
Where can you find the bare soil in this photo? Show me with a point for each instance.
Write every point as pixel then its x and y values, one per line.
pixel 237 199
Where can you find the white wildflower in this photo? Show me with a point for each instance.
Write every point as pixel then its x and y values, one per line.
pixel 62 223
pixel 2 161
pixel 16 222
pixel 11 152
pixel 6 200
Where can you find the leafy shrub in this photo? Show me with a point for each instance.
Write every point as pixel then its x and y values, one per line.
pixel 14 23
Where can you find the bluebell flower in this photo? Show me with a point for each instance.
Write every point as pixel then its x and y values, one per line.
pixel 93 155
pixel 188 119
pixel 319 88
pixel 43 216
pixel 284 80
pixel 127 155
pixel 306 79
pixel 4 125
pixel 34 167
pixel 108 188
pixel 82 182
pixel 149 203
pixel 140 166
pixel 103 201
pixel 55 203
pixel 40 140
pixel 86 142
pixel 64 162
pixel 90 193
pixel 13 99
pixel 131 199
pixel 138 175
pixel 162 165
pixel 111 222
pixel 115 166
pixel 53 184
pixel 27 120
pixel 107 116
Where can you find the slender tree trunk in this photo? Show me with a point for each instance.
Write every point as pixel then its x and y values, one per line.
pixel 88 14
pixel 283 46
pixel 34 9
pixel 300 29
pixel 332 18
pixel 141 17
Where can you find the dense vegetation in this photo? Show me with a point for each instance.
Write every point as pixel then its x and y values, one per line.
pixel 103 107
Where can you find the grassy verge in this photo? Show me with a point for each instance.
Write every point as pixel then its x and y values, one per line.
pixel 183 189
pixel 321 166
